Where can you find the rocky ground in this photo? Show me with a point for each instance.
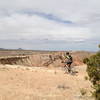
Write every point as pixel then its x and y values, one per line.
pixel 39 83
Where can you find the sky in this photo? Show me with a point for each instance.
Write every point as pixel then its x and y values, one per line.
pixel 50 24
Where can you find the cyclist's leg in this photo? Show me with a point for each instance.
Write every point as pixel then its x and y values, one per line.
pixel 69 68
pixel 66 68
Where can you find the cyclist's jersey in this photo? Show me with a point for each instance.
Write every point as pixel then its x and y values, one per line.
pixel 69 58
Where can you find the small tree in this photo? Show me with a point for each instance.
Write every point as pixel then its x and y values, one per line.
pixel 99 46
pixel 93 70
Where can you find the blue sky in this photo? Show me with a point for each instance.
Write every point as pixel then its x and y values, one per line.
pixel 50 24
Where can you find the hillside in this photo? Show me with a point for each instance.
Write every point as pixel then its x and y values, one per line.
pixel 39 58
pixel 39 75
pixel 27 83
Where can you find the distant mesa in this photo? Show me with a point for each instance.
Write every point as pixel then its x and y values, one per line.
pixel 11 49
pixel 2 48
pixel 20 49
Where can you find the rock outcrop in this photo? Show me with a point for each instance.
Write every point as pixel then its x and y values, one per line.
pixel 43 59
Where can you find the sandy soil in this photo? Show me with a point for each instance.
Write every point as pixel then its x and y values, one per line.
pixel 38 83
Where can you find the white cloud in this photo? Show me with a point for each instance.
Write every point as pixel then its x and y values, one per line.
pixel 68 9
pixel 17 23
pixel 34 27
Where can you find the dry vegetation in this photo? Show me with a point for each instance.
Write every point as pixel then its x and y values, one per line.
pixel 19 82
pixel 27 83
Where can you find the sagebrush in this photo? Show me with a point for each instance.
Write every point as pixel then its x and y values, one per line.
pixel 93 70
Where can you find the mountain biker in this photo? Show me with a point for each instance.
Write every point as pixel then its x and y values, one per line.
pixel 68 61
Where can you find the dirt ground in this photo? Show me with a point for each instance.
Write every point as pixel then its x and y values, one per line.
pixel 39 83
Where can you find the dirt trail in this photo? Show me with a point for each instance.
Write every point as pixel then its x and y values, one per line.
pixel 38 83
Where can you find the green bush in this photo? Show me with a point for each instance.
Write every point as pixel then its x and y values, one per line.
pixel 85 60
pixel 86 77
pixel 93 70
pixel 83 92
pixel 99 46
pixel 97 92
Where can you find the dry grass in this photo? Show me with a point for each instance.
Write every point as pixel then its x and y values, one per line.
pixel 22 83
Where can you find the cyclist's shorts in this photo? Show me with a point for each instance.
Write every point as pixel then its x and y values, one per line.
pixel 68 62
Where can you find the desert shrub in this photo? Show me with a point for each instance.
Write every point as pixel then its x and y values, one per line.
pixel 85 60
pixel 62 87
pixel 99 46
pixel 83 91
pixel 86 77
pixel 93 70
pixel 97 91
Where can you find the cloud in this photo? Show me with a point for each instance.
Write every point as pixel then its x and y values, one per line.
pixel 35 27
pixel 50 21
pixel 67 9
pixel 47 16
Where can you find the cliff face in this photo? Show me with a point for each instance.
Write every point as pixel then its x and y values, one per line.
pixel 15 60
pixel 51 59
pixel 45 60
pixel 39 60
